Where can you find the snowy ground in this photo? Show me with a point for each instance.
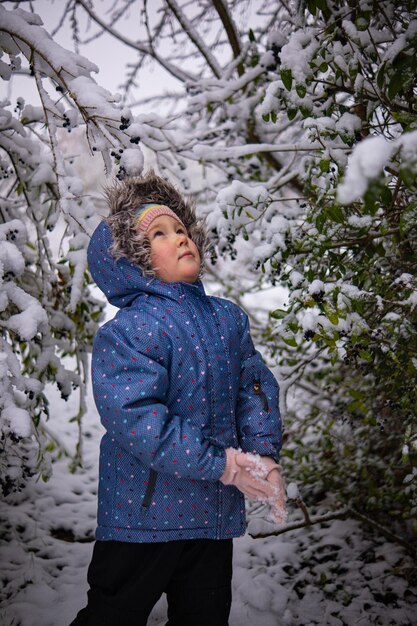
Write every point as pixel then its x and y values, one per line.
pixel 334 574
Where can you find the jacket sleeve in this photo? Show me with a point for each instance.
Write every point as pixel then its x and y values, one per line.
pixel 130 391
pixel 258 416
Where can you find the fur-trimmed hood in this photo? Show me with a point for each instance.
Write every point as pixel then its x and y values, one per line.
pixel 122 281
pixel 126 196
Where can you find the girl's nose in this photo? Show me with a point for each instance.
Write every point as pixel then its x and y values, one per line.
pixel 181 238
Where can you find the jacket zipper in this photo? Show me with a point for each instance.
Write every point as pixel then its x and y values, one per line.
pixel 150 489
pixel 260 392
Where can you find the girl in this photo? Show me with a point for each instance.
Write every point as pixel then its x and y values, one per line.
pixel 191 418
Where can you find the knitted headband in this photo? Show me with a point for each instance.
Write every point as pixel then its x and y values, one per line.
pixel 147 213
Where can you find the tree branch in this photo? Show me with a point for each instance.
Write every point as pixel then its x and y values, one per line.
pixel 169 67
pixel 317 519
pixel 231 31
pixel 195 38
pixel 338 514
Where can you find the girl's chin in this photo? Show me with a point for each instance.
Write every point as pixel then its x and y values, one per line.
pixel 181 277
pixel 190 277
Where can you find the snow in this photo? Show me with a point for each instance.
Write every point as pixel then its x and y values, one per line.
pixel 297 53
pixel 24 26
pixel 277 38
pixel 11 259
pixel 365 164
pixel 43 174
pixel 292 491
pixel 242 202
pixel 333 573
pixel 296 278
pixel 347 124
pixel 31 113
pixel 79 260
pixel 360 221
pixel 316 287
pixel 32 317
pixel 368 160
pixel 19 420
pixel 412 300
pixel 309 321
pixel 132 161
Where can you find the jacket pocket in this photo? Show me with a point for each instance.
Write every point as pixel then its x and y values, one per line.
pixel 150 489
pixel 257 389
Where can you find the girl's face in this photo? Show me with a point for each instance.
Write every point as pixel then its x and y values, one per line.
pixel 174 256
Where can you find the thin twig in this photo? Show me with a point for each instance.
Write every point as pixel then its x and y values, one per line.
pixel 317 519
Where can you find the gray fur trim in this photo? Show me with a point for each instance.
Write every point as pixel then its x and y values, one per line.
pixel 126 196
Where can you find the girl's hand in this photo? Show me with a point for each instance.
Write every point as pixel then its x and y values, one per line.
pixel 243 471
pixel 278 512
pixel 268 470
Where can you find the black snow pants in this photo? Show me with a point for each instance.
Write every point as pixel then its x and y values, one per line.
pixel 127 579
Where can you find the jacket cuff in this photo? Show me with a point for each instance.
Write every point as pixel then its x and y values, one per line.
pixel 262 450
pixel 219 464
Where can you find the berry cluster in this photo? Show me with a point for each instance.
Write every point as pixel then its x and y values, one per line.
pixel 124 123
pixel 67 123
pixel 11 235
pixel 117 155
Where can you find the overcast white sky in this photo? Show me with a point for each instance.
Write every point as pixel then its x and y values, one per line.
pixel 107 53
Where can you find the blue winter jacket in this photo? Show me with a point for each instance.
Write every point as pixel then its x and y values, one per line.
pixel 176 380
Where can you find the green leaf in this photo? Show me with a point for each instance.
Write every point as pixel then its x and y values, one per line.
pixel 336 214
pixel 251 35
pixel 312 6
pixel 320 222
pixel 291 113
pixel 366 356
pixel 395 85
pixel 305 111
pixel 380 77
pixel 266 117
pixel 361 23
pixel 330 342
pixel 301 90
pixel 331 313
pixel 370 201
pixel 404 118
pixel 355 393
pixel 324 165
pixel 278 314
pixel 290 341
pixel 408 176
pixel 286 77
pixel 386 195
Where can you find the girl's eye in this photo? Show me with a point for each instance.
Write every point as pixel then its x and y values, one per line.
pixel 158 233
pixel 181 230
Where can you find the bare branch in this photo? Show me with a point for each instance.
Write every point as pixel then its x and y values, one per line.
pixel 317 519
pixel 139 47
pixel 231 31
pixel 195 38
pixel 338 514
